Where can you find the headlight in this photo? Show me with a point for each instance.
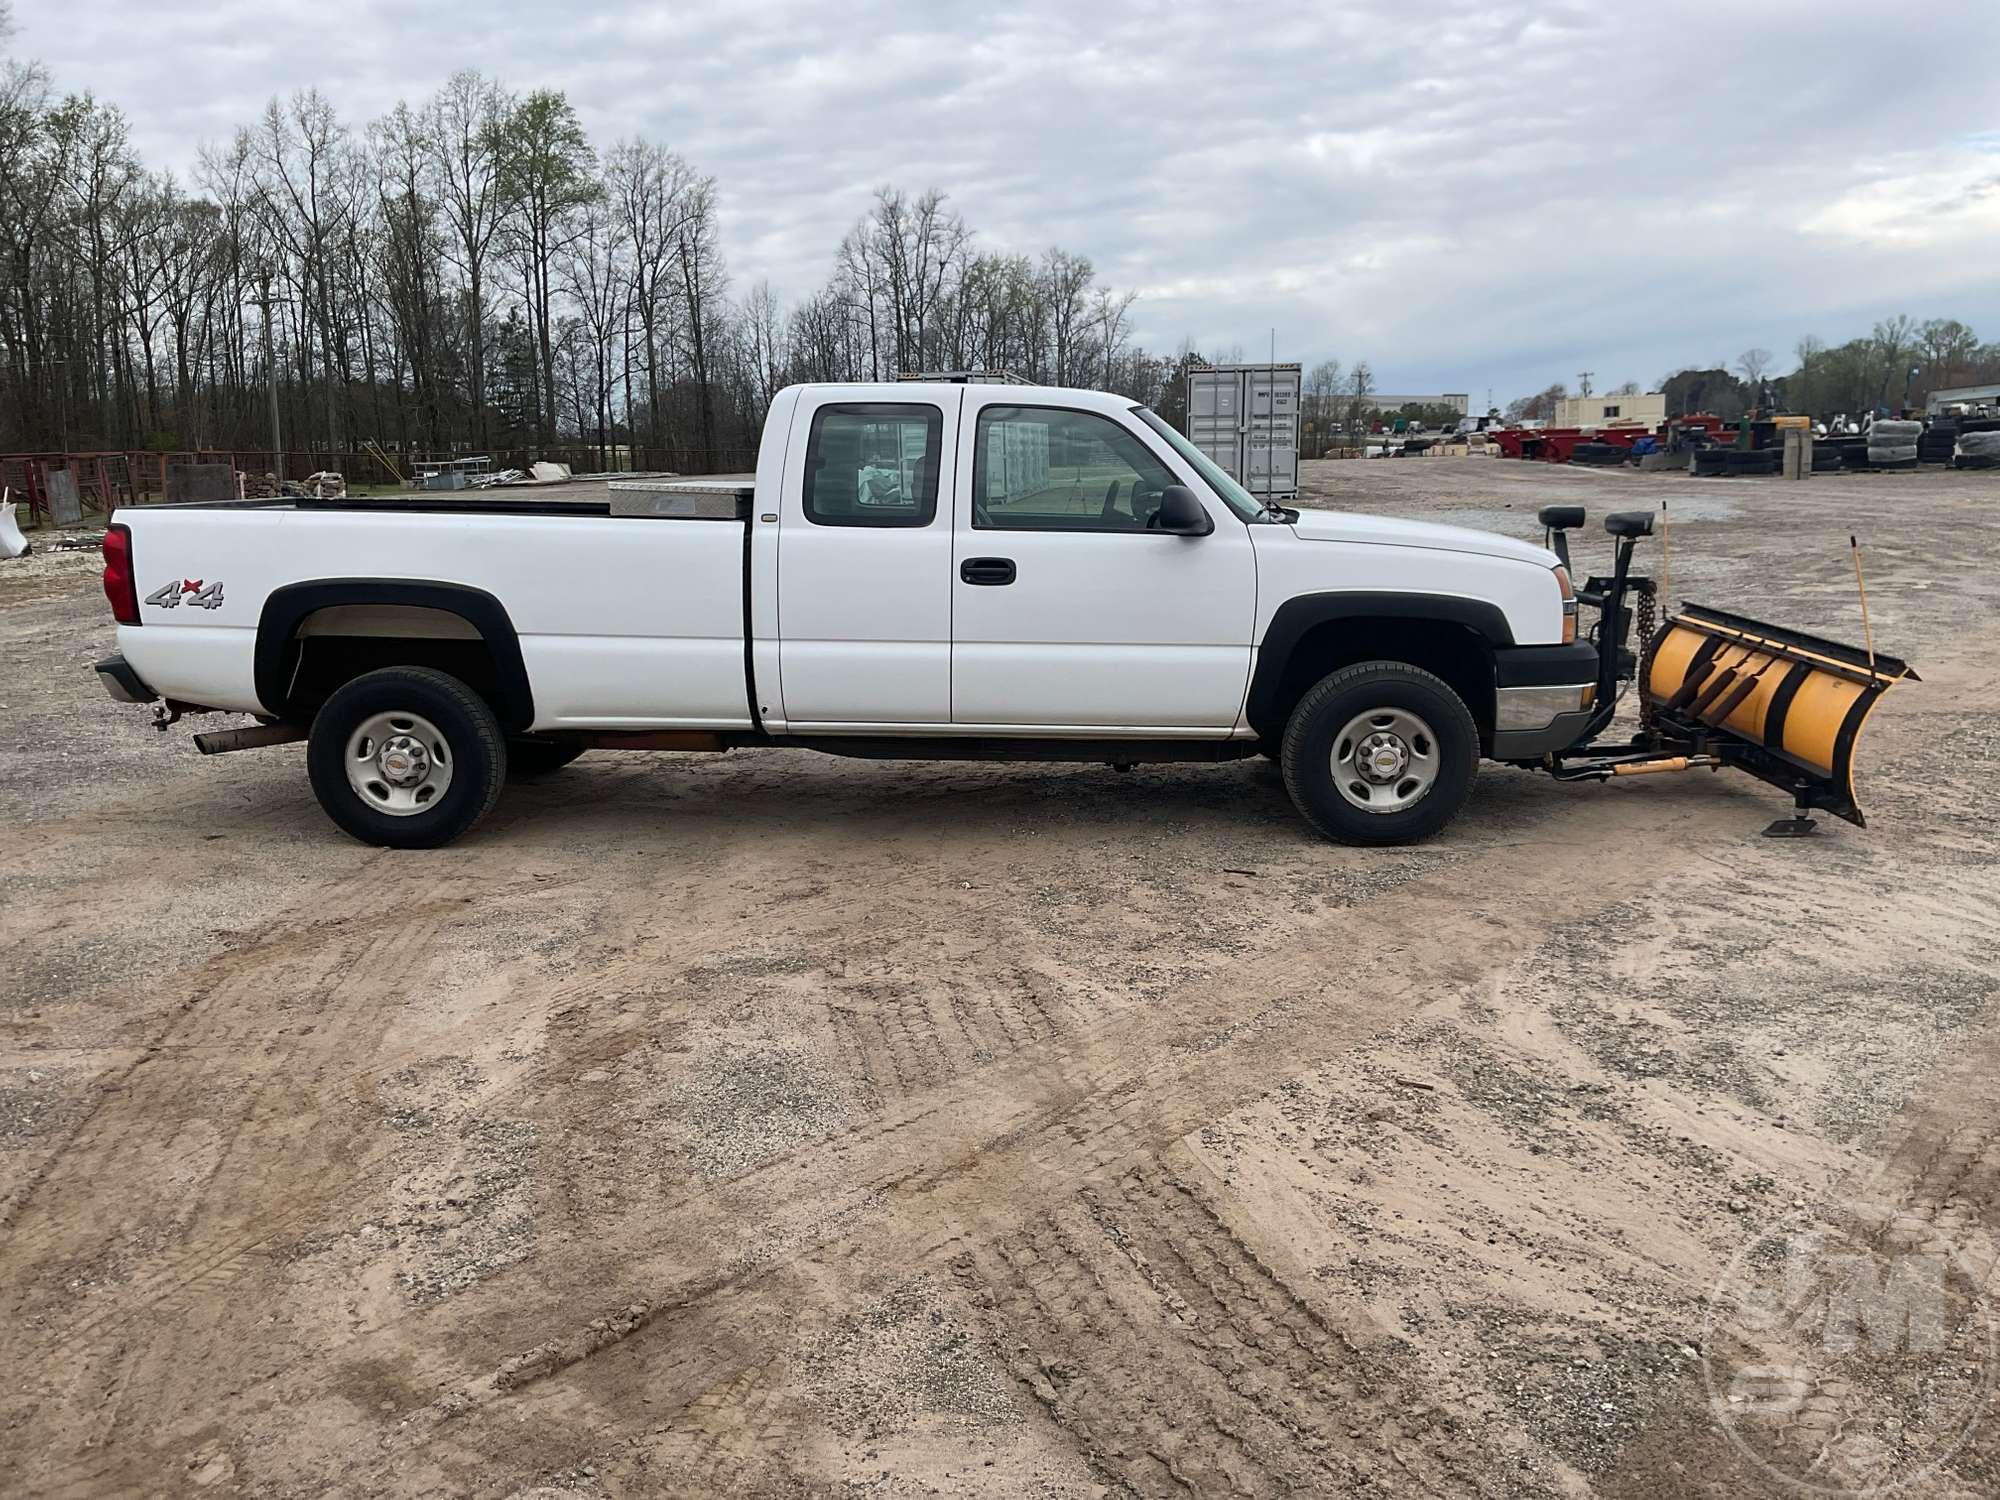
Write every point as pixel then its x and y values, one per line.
pixel 1569 603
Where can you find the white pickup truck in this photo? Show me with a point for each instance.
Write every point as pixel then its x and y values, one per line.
pixel 918 570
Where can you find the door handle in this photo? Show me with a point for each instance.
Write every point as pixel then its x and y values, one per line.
pixel 987 570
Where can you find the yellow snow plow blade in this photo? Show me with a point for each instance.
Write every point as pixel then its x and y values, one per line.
pixel 1785 706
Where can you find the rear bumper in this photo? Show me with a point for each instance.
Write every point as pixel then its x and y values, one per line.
pixel 121 682
pixel 1542 699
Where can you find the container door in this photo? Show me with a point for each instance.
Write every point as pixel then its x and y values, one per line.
pixel 1215 418
pixel 1273 432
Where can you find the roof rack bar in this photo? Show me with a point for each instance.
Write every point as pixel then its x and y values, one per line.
pixel 966 377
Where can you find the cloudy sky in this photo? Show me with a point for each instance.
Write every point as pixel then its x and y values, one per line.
pixel 1470 196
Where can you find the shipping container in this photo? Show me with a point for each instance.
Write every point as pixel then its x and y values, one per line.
pixel 1246 418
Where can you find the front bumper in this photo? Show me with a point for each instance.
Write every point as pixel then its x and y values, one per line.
pixel 121 682
pixel 1554 734
pixel 1542 699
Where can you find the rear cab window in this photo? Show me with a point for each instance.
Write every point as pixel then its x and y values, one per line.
pixel 873 464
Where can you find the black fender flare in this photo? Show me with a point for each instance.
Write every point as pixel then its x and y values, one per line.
pixel 1296 616
pixel 287 606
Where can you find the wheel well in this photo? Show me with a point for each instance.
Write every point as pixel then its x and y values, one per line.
pixel 333 646
pixel 1455 653
pixel 316 637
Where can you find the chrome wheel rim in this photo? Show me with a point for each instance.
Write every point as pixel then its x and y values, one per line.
pixel 1385 760
pixel 398 763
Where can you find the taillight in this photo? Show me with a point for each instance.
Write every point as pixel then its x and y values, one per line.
pixel 120 586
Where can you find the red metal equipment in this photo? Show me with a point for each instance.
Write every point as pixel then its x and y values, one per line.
pixel 1622 437
pixel 1559 443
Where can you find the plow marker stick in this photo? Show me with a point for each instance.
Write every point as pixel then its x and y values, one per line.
pixel 1666 561
pixel 1867 631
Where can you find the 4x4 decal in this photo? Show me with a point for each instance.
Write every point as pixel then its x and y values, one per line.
pixel 169 596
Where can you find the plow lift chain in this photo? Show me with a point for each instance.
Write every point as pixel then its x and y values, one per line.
pixel 1718 689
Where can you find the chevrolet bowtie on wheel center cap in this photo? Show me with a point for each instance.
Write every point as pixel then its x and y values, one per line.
pixel 398 763
pixel 1384 760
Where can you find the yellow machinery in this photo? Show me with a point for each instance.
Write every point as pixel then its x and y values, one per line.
pixel 1717 689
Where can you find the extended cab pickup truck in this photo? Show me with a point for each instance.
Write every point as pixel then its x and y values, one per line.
pixel 919 570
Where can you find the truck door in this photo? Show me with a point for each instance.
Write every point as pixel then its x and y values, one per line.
pixel 864 562
pixel 1068 611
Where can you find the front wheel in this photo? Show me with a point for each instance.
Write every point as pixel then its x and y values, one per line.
pixel 407 757
pixel 1380 753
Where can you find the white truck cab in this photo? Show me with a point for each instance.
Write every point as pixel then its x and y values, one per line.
pixel 920 569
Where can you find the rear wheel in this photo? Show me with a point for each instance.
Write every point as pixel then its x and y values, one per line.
pixel 407 757
pixel 1380 753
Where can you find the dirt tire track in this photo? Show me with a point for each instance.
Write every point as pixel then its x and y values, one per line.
pixel 1182 1362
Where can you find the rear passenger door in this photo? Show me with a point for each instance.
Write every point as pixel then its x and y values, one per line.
pixel 864 563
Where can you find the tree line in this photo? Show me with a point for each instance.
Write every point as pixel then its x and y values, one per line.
pixel 464 274
pixel 1898 363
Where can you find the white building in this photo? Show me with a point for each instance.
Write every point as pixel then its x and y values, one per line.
pixel 1648 410
pixel 1390 404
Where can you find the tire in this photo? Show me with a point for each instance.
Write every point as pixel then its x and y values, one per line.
pixel 1979 444
pixel 1889 434
pixel 1887 454
pixel 1707 463
pixel 452 749
pixel 527 759
pixel 1411 707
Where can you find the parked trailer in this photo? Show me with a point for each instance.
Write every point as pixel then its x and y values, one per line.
pixel 1246 418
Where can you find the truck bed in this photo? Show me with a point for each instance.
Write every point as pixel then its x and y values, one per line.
pixel 622 623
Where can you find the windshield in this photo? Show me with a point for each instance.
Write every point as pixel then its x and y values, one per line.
pixel 1238 499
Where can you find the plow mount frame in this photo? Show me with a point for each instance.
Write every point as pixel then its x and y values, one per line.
pixel 1720 689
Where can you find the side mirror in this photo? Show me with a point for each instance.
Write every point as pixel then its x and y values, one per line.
pixel 1181 513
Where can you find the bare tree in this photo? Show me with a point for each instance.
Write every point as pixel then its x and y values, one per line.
pixel 1752 364
pixel 653 193
pixel 1110 312
pixel 1321 383
pixel 464 134
pixel 698 255
pixel 1064 285
pixel 764 337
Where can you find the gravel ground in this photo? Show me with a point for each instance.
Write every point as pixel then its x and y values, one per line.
pixel 780 1125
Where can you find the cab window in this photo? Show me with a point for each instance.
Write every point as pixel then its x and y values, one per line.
pixel 1039 468
pixel 873 464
